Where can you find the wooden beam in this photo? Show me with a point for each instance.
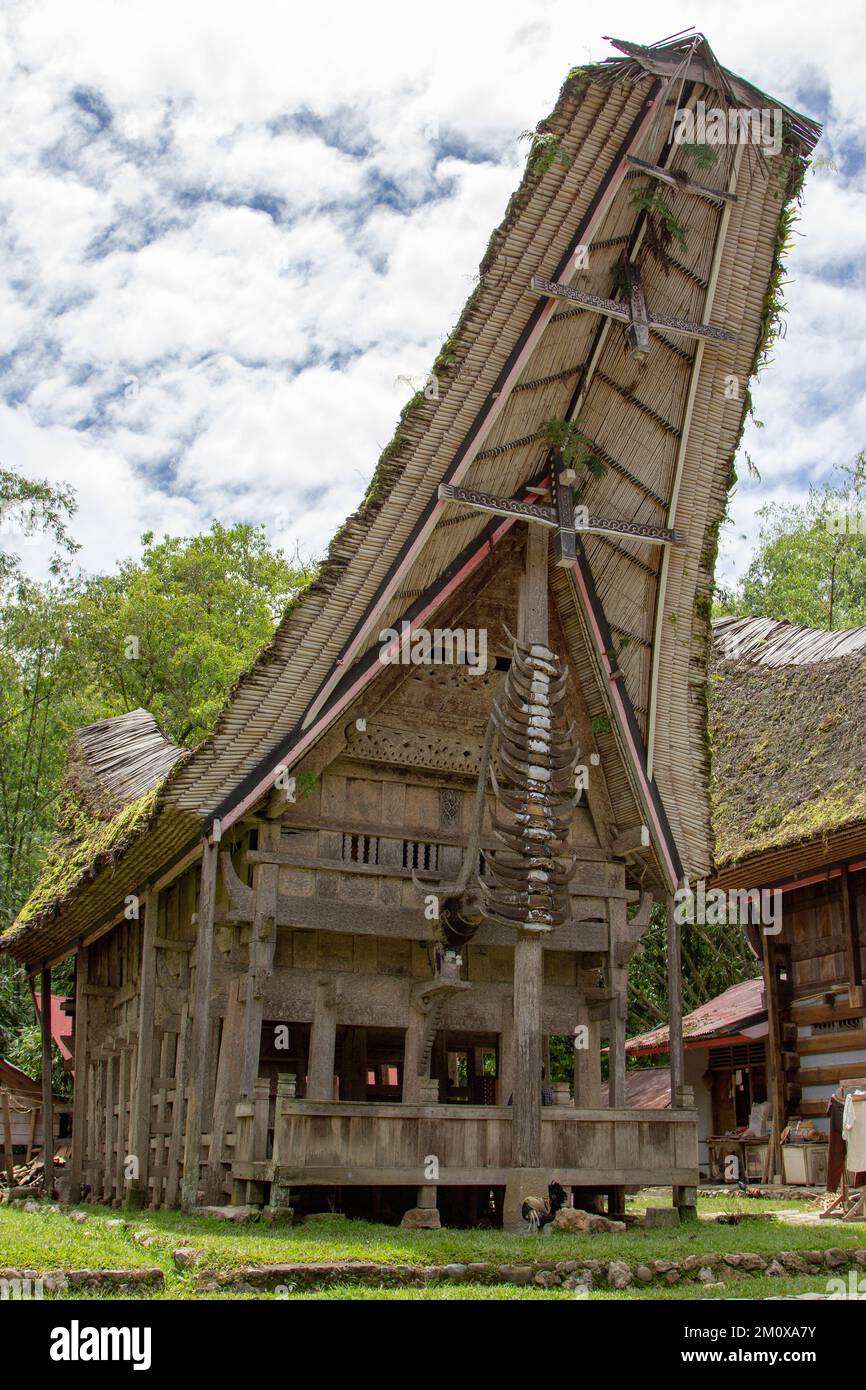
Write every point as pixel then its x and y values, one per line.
pixel 79 1095
pixel 675 1002
pixel 774 1055
pixel 631 841
pixel 851 928
pixel 200 1026
pixel 323 1034
pixel 141 1097
pixel 679 182
pixel 263 940
pixel 47 1089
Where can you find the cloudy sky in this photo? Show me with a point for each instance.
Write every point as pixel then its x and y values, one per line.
pixel 232 231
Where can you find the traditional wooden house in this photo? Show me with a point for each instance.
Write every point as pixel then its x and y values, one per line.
pixel 787 707
pixel 325 950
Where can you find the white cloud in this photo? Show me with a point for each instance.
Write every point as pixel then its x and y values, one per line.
pixel 228 230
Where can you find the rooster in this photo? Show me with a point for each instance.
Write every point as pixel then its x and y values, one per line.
pixel 540 1211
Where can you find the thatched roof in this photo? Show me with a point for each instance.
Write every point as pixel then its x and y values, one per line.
pixel 787 719
pixel 110 795
pixel 636 620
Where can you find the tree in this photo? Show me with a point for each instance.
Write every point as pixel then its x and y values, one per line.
pixel 810 566
pixel 29 505
pixel 172 631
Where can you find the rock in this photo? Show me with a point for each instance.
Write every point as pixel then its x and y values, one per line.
pixel 571 1221
pixel 835 1257
pixel 792 1261
pixel 212 1287
pixel 705 1275
pixel 698 1261
pixel 454 1271
pixel 140 1236
pixel 421 1219
pixel 567 1266
pixel 752 1262
pixel 326 1216
pixel 547 1279
pixel 32 1206
pixel 479 1271
pixel 79 1217
pixel 733 1260
pixel 186 1256
pixel 666 1266
pixel 240 1215
pixel 672 1276
pixel 279 1216
pixel 644 1274
pixel 775 1269
pixel 116 1225
pixel 53 1280
pixel 661 1216
pixel 518 1274
pixel 599 1224
pixel 618 1274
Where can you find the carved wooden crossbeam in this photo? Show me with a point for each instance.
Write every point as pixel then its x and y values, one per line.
pixel 559 518
pixel 683 184
pixel 632 312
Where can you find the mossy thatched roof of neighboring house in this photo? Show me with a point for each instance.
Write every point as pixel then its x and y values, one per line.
pixel 788 731
pixel 109 797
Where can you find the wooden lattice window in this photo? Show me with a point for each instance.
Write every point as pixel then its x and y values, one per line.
pixel 361 849
pixel 417 854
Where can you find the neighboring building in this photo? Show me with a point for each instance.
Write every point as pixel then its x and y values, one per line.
pixel 25 1112
pixel 725 1062
pixel 332 887
pixel 788 713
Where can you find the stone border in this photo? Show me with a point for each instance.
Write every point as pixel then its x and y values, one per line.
pixel 122 1280
pixel 712 1268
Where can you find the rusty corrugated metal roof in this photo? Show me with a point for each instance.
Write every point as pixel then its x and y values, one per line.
pixel 721 1017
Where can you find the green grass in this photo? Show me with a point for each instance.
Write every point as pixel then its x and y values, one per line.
pixel 51 1241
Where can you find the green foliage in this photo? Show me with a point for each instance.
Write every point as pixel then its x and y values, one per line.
pixel 29 505
pixel 810 565
pixel 575 449
pixel 25 1051
pixel 545 150
pixel 662 227
pixel 172 631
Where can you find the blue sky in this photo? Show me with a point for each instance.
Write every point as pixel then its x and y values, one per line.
pixel 231 232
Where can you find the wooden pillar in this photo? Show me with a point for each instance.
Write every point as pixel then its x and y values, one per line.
pixel 7 1136
pixel 851 932
pixel 675 1004
pixel 323 1036
pixel 413 1041
pixel 587 1060
pixel 142 1091
pixel 47 1091
pixel 79 1094
pixel 774 1057
pixel 528 959
pixel 617 980
pixel 200 1026
pixel 263 940
pixel 228 1082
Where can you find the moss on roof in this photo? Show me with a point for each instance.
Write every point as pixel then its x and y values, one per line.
pixel 85 844
pixel 788 753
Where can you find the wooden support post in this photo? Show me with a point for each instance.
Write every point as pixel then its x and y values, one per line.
pixel 142 1092
pixel 124 1062
pixel 528 969
pixel 263 940
pixel 80 1129
pixel 7 1137
pixel 774 1059
pixel 228 1082
pixel 413 1041
pixel 675 1002
pixel 175 1146
pixel 108 1155
pixel 851 931
pixel 47 1091
pixel 587 1060
pixel 617 978
pixel 323 1035
pixel 200 1026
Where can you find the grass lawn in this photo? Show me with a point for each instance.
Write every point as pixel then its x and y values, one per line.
pixel 51 1241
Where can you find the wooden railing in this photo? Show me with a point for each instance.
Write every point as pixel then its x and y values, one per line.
pixel 340 1143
